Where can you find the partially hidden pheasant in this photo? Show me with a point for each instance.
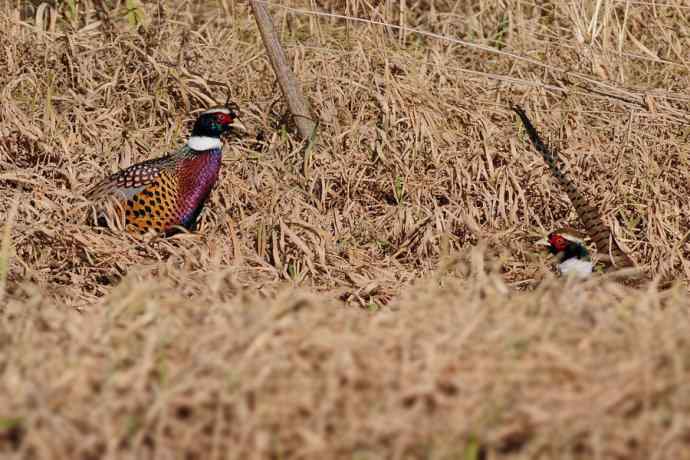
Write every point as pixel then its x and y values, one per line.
pixel 590 217
pixel 568 246
pixel 167 194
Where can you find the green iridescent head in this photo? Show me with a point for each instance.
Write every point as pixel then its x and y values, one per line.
pixel 216 121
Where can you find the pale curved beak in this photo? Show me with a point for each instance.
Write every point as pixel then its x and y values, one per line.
pixel 543 242
pixel 238 125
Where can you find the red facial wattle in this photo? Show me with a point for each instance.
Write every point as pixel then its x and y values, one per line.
pixel 224 119
pixel 558 242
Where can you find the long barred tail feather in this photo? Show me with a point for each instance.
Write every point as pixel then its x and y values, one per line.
pixel 589 215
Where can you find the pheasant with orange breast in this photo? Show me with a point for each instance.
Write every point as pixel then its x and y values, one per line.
pixel 166 194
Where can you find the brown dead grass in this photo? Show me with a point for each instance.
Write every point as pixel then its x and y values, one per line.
pixel 377 296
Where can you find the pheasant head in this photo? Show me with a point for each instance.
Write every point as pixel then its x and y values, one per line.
pixel 568 246
pixel 168 193
pixel 211 125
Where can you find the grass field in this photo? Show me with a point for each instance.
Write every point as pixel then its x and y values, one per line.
pixel 376 296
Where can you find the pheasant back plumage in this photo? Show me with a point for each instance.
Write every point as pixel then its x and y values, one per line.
pixel 588 214
pixel 164 194
pixel 167 193
pixel 155 207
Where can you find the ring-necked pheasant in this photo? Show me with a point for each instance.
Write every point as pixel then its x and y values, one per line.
pixel 609 251
pixel 568 246
pixel 167 194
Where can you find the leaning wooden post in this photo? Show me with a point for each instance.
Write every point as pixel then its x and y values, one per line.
pixel 297 103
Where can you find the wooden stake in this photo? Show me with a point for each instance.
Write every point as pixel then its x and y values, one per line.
pixel 297 103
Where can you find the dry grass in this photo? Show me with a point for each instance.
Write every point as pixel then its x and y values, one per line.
pixel 377 296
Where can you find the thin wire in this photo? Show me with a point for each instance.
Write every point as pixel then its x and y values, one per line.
pixel 457 40
pixel 654 4
pixel 601 84
pixel 417 31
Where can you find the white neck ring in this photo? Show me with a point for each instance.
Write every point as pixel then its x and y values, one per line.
pixel 200 143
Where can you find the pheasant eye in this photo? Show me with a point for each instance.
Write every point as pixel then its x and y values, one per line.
pixel 224 118
pixel 558 242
